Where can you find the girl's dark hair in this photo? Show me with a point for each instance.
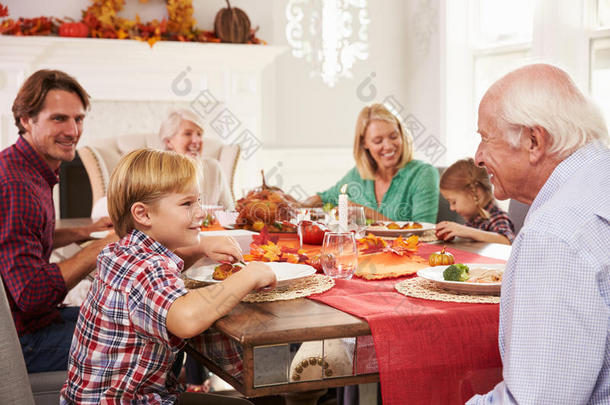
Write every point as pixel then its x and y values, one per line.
pixel 32 94
pixel 465 175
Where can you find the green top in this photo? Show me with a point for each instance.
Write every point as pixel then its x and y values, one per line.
pixel 412 196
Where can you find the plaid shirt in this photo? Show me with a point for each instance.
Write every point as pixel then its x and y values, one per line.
pixel 34 286
pixel 122 351
pixel 498 222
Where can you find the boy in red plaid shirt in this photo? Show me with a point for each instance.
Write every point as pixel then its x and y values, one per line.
pixel 138 312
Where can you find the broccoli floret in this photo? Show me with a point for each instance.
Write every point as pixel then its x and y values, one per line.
pixel 456 272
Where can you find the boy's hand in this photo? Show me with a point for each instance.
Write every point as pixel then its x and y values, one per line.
pixel 221 248
pixel 262 274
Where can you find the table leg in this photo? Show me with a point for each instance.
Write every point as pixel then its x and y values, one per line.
pixel 303 397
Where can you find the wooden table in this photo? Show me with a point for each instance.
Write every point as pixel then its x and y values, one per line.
pixel 276 325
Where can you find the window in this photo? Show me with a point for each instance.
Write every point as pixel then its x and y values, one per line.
pixel 600 56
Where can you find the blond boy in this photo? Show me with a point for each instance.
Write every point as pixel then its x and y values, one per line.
pixel 138 312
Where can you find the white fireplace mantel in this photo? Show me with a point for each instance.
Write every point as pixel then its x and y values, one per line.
pixel 132 85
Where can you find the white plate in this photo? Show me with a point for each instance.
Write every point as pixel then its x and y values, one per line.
pixel 285 272
pixel 435 274
pixel 383 231
pixel 99 234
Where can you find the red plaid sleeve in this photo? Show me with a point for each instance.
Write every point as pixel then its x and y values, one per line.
pixel 152 294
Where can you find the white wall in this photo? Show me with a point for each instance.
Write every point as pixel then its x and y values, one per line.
pixel 312 119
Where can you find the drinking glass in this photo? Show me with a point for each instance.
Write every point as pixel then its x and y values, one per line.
pixel 356 221
pixel 339 255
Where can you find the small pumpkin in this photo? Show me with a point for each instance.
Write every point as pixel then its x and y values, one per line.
pixel 73 29
pixel 441 258
pixel 232 25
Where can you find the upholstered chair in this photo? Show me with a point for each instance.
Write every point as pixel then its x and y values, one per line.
pixel 16 385
pixel 101 155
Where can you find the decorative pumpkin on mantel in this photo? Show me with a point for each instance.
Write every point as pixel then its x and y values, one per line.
pixel 232 25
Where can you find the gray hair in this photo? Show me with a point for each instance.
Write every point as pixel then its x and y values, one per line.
pixel 170 125
pixel 545 96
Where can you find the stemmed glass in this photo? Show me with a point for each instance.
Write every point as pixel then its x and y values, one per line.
pixel 339 255
pixel 356 221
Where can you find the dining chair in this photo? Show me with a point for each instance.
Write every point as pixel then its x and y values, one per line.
pixel 444 213
pixel 517 211
pixel 16 385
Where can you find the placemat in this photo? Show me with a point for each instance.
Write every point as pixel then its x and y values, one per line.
pixel 421 288
pixel 305 287
pixel 301 288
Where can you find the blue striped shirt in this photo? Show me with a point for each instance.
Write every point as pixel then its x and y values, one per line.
pixel 554 312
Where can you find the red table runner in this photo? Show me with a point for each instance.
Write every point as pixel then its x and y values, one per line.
pixel 428 352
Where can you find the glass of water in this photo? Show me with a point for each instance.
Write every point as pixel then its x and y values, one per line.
pixel 339 254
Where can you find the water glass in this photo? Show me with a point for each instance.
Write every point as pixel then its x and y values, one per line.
pixel 339 255
pixel 356 221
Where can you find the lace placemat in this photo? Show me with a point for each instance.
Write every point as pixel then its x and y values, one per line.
pixel 305 287
pixel 421 288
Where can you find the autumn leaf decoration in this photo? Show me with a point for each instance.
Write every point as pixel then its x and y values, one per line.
pixel 104 22
pixel 3 10
pixel 374 244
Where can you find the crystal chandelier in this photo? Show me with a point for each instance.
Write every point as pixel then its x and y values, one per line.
pixel 329 34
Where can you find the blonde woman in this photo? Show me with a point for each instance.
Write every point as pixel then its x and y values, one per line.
pixel 386 181
pixel 182 132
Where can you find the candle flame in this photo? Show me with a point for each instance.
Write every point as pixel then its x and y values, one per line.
pixel 344 189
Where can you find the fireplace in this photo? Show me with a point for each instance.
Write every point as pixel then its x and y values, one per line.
pixel 133 85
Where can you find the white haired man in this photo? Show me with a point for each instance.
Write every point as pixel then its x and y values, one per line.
pixel 543 143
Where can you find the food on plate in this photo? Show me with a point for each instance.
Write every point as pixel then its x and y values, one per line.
pixel 484 275
pixel 441 258
pixel 312 233
pixel 224 270
pixel 456 272
pixel 395 226
pixel 461 272
pixel 268 206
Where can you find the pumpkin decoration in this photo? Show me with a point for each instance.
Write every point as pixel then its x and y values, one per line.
pixel 73 29
pixel 232 25
pixel 441 258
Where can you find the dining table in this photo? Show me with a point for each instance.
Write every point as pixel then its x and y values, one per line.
pixel 361 331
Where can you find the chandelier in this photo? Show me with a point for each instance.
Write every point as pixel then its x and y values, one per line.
pixel 329 34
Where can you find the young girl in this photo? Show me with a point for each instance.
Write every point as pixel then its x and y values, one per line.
pixel 467 189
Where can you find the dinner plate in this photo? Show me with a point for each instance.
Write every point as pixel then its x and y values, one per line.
pixel 384 231
pixel 286 273
pixel 435 274
pixel 99 234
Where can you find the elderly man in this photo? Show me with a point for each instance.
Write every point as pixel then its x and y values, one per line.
pixel 49 111
pixel 543 143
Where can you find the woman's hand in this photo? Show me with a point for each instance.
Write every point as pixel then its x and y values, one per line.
pixel 313 201
pixel 221 248
pixel 447 230
pixel 102 224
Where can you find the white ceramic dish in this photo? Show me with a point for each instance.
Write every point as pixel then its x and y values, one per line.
pixel 435 274
pixel 384 231
pixel 286 273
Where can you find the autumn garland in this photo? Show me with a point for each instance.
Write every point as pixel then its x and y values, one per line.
pixel 102 21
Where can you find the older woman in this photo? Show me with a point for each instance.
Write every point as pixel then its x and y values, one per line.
pixel 386 181
pixel 182 132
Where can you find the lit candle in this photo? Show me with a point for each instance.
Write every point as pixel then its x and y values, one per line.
pixel 343 209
